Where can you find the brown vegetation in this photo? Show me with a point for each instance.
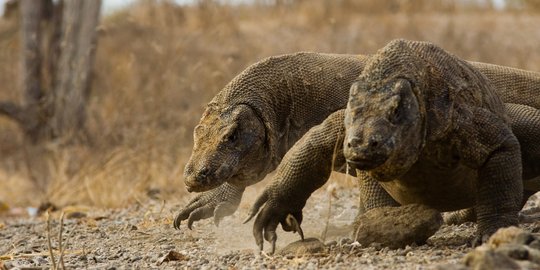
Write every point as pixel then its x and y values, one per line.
pixel 158 64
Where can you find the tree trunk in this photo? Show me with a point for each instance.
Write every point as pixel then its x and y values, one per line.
pixel 55 84
pixel 73 76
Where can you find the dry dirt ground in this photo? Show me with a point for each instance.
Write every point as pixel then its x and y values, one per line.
pixel 141 236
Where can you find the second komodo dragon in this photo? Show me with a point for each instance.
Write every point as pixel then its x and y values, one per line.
pixel 429 128
pixel 249 126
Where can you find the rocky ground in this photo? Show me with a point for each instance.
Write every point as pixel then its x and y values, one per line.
pixel 141 236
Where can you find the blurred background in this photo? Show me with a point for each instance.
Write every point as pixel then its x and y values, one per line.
pixel 157 63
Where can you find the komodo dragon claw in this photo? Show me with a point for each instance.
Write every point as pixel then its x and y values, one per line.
pixel 218 203
pixel 292 222
pixel 268 218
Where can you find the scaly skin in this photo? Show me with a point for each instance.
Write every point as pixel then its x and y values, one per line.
pixel 293 175
pixel 284 97
pixel 249 126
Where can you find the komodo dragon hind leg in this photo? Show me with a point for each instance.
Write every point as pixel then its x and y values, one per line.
pixel 525 123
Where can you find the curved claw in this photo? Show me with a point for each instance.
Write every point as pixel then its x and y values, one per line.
pixel 186 212
pixel 262 199
pixel 200 213
pixel 265 227
pixel 219 202
pixel 221 211
pixel 292 222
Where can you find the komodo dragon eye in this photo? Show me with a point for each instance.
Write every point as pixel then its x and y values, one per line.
pixel 395 114
pixel 233 136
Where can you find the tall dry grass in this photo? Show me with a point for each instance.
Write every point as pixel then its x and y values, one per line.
pixel 158 64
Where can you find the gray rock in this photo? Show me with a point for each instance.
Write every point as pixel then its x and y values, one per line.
pixel 487 259
pixel 535 244
pixel 514 251
pixel 397 227
pixel 302 247
pixel 508 248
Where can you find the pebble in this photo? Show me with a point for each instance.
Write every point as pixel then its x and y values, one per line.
pixel 302 247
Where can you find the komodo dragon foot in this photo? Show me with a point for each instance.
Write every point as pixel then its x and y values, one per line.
pixel 276 210
pixel 219 203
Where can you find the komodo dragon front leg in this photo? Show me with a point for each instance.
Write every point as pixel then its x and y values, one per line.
pixel 306 167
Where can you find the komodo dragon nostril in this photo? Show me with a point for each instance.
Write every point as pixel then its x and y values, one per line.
pixel 353 142
pixel 203 173
pixel 373 143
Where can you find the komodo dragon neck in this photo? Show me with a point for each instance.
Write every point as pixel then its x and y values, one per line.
pixel 292 93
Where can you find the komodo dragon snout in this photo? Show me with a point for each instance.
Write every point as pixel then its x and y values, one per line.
pixel 222 142
pixel 388 131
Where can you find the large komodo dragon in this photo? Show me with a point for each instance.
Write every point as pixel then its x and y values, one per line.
pixel 424 127
pixel 249 126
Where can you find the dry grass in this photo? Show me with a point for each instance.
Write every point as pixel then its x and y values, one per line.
pixel 158 64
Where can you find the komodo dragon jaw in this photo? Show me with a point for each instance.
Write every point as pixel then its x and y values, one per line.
pixel 222 142
pixel 386 136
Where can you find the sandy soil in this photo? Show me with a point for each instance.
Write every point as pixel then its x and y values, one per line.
pixel 141 236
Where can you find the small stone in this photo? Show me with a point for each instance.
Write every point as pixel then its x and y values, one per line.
pixel 345 241
pixel 376 245
pixel 338 258
pixel 331 243
pixel 302 247
pixel 518 252
pixel 533 255
pixel 397 227
pixel 535 244
pixel 527 265
pixel 504 236
pixel 488 259
pixel 76 215
pixel 451 267
pixel 172 256
pixel 524 238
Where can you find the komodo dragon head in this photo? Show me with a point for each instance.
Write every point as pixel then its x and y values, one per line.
pixel 383 126
pixel 229 145
pixel 385 120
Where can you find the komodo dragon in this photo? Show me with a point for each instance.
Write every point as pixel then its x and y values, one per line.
pixel 249 126
pixel 426 118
